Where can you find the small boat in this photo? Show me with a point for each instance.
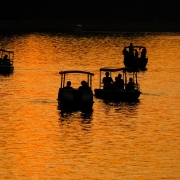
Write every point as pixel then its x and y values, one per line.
pixel 116 93
pixel 6 61
pixel 135 56
pixel 80 98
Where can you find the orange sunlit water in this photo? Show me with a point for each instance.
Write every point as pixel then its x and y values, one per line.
pixel 115 140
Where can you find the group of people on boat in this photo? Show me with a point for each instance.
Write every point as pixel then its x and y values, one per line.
pixel 109 84
pixel 133 52
pixel 84 86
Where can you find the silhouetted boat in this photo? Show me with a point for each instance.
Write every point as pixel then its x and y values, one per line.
pixel 115 93
pixel 135 56
pixel 6 61
pixel 75 98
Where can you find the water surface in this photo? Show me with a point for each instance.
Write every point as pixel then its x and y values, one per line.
pixel 116 140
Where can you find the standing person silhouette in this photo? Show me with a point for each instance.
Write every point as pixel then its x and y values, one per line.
pixel 131 50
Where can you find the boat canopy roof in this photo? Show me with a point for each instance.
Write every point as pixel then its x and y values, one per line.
pixel 115 69
pixel 76 71
pixel 2 50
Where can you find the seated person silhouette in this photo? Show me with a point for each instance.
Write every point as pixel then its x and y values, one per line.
pixel 84 86
pixel 143 53
pixel 68 85
pixel 120 82
pixel 125 53
pixel 130 85
pixel 5 59
pixel 136 54
pixel 107 81
pixel 116 83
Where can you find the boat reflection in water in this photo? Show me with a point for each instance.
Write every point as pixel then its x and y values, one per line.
pixel 121 105
pixel 121 112
pixel 67 116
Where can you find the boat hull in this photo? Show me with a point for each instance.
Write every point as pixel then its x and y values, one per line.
pixel 117 95
pixel 4 68
pixel 136 63
pixel 75 99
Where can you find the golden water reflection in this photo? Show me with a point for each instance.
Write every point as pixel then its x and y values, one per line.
pixel 121 140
